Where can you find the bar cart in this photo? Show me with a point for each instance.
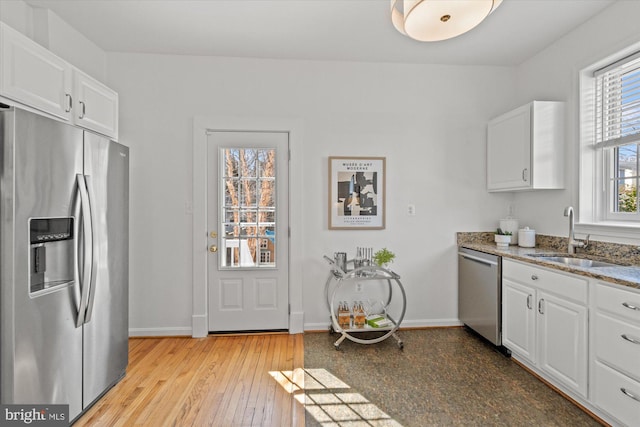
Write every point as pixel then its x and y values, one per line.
pixel 362 278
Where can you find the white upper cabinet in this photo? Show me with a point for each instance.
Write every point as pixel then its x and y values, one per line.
pixel 33 76
pixel 95 105
pixel 525 148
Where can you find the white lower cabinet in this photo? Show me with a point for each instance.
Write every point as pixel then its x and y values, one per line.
pixel 519 319
pixel 615 334
pixel 562 339
pixel 582 335
pixel 544 322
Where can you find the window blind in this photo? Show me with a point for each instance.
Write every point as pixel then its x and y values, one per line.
pixel 618 103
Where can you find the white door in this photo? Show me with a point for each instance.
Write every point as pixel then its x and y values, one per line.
pixel 562 326
pixel 518 319
pixel 248 222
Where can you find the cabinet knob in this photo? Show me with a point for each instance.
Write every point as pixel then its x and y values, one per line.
pixel 630 307
pixel 69 103
pixel 534 277
pixel 631 340
pixel 84 110
pixel 629 394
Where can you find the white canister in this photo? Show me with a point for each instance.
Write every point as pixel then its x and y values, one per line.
pixel 510 224
pixel 527 238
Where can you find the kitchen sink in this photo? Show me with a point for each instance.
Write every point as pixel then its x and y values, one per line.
pixel 576 262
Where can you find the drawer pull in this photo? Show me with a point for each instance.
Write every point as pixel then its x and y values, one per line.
pixel 631 340
pixel 630 307
pixel 629 394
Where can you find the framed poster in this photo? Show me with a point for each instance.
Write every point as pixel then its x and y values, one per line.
pixel 357 193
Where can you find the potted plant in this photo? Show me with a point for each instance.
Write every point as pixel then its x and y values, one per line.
pixel 383 257
pixel 502 238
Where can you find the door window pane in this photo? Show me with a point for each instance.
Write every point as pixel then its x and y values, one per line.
pixel 248 211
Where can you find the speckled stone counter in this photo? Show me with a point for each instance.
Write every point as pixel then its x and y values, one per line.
pixel 626 272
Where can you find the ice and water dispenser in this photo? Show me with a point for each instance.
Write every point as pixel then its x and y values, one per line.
pixel 51 252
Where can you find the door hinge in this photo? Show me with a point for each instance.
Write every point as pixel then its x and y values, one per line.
pixel 289 231
pixel 289 308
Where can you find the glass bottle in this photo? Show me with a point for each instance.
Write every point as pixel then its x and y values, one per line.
pixel 358 314
pixel 344 316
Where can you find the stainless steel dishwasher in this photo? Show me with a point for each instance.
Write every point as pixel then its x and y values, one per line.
pixel 480 293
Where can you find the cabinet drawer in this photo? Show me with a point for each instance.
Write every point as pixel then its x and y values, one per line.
pixel 609 394
pixel 618 343
pixel 618 301
pixel 571 287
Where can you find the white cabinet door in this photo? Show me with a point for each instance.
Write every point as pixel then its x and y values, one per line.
pixel 32 75
pixel 562 332
pixel 525 148
pixel 96 106
pixel 509 150
pixel 519 319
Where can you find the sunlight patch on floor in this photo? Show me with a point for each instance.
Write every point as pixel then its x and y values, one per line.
pixel 328 399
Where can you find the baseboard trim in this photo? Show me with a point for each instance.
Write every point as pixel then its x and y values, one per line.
pixel 200 327
pixel 296 322
pixel 160 332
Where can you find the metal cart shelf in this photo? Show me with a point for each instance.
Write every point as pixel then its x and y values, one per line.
pixel 339 278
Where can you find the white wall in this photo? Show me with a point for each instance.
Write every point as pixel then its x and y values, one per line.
pixel 429 121
pixel 553 75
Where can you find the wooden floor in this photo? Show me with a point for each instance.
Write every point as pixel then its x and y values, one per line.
pixel 227 381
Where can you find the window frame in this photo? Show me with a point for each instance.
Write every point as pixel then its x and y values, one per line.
pixel 595 163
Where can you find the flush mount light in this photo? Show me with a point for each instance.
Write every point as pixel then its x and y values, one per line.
pixel 434 20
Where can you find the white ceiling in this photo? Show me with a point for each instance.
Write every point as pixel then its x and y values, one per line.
pixel 345 30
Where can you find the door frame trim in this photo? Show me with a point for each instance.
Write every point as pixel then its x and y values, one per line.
pixel 201 125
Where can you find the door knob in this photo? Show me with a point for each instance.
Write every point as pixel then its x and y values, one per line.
pixel 213 248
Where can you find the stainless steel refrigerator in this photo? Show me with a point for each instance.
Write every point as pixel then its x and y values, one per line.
pixel 64 267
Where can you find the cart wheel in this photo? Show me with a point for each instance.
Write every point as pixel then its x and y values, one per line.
pixel 331 330
pixel 337 347
pixel 401 345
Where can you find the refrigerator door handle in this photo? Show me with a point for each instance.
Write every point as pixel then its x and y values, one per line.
pixel 94 250
pixel 87 236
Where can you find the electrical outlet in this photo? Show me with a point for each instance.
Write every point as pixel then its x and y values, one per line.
pixel 358 287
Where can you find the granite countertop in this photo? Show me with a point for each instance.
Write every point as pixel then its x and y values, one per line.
pixel 625 272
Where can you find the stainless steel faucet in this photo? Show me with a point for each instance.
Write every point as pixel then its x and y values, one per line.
pixel 573 242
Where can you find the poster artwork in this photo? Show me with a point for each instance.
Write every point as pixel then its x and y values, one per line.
pixel 357 192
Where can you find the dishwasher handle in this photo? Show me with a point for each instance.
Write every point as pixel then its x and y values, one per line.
pixel 477 259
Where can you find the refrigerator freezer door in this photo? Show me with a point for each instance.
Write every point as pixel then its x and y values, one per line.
pixel 106 329
pixel 41 347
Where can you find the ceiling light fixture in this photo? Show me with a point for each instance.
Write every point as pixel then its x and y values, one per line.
pixel 434 20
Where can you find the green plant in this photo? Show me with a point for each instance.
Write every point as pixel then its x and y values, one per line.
pixel 383 256
pixel 501 232
pixel 627 199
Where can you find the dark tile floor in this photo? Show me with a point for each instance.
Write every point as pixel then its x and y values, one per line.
pixel 443 377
